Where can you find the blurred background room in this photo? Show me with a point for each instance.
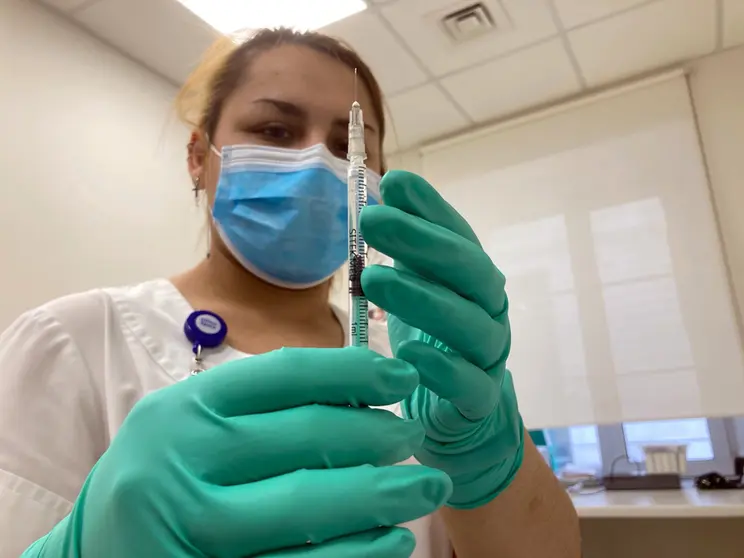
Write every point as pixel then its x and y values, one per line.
pixel 596 147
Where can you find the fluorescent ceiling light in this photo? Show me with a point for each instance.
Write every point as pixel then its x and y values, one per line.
pixel 230 16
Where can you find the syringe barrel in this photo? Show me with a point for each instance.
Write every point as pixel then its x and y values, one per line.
pixel 356 132
pixel 356 146
pixel 357 185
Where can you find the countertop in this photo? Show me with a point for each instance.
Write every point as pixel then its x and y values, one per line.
pixel 660 504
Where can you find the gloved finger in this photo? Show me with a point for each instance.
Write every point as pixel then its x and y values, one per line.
pixel 289 378
pixel 460 324
pixel 255 447
pixel 414 195
pixel 451 377
pixel 435 253
pixel 385 542
pixel 317 506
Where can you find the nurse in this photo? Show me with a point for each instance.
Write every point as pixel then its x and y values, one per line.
pixel 218 414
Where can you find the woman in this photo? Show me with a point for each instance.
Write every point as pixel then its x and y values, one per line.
pixel 111 447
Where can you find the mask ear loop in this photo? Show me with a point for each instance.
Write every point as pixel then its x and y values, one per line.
pixel 218 153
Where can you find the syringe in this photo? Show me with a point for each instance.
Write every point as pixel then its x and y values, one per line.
pixel 357 182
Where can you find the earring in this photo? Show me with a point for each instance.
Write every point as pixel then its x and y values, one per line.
pixel 197 187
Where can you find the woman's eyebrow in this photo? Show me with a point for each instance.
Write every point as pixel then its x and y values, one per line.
pixel 285 107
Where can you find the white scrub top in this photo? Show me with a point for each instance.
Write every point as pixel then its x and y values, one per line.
pixel 70 372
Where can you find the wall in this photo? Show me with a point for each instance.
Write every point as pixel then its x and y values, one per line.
pixel 92 165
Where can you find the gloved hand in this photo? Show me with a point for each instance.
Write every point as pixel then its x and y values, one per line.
pixel 448 317
pixel 256 458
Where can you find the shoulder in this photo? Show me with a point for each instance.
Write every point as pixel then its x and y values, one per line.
pixel 84 312
pixel 80 316
pixel 50 328
pixel 87 325
pixel 54 403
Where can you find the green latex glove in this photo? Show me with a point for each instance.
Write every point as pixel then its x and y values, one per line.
pixel 256 458
pixel 448 317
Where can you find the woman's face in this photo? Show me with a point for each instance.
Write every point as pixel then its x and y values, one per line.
pixel 292 97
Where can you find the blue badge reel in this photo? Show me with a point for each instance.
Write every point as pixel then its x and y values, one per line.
pixel 204 330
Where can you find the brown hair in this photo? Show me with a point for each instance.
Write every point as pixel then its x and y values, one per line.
pixel 201 99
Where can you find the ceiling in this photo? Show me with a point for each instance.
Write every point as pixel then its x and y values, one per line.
pixel 541 51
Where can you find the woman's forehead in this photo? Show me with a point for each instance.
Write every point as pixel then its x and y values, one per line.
pixel 307 78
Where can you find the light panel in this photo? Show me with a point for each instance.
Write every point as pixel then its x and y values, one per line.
pixel 230 16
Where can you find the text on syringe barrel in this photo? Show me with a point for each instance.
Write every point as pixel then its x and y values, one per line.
pixel 357 245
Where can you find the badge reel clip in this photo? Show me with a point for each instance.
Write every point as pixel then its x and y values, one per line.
pixel 204 330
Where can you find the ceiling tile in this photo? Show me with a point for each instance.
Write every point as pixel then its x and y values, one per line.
pixel 519 23
pixel 654 36
pixel 733 23
pixel 65 5
pixel 527 78
pixel 578 12
pixel 160 33
pixel 421 114
pixel 394 67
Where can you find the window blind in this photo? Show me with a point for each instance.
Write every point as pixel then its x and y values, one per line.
pixel 600 217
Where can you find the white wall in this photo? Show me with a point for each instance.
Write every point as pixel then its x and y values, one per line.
pixel 92 165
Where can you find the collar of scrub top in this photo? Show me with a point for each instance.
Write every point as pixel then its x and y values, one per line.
pixel 204 330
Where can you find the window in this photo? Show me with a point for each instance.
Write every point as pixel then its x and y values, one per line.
pixel 693 432
pixel 576 448
pixel 595 448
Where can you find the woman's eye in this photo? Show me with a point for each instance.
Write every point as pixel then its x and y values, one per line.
pixel 277 133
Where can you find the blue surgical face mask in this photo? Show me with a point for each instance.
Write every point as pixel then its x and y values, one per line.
pixel 282 213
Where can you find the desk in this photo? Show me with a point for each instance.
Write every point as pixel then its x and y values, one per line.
pixel 662 524
pixel 668 504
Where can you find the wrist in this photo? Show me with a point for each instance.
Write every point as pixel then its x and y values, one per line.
pixel 477 488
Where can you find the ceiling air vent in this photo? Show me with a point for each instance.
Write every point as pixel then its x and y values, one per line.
pixel 468 23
